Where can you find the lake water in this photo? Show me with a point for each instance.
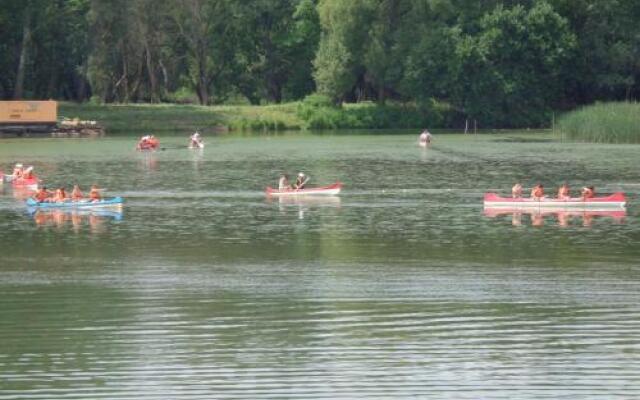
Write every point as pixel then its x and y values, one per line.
pixel 400 287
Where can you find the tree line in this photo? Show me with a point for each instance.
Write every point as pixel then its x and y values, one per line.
pixel 504 62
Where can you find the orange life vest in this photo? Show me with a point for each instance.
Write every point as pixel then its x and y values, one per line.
pixel 537 192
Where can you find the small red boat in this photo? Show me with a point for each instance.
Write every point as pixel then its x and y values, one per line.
pixel 148 143
pixel 330 190
pixel 616 200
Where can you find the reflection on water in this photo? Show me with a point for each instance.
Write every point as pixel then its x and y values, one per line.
pixel 563 217
pixel 304 203
pixel 76 219
pixel 398 288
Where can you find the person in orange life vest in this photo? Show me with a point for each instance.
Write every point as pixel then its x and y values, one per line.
pixel 537 192
pixel 588 192
pixel 563 192
pixel 42 195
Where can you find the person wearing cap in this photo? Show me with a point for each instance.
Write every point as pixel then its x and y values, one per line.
pixel 301 181
pixel 17 171
pixel 588 192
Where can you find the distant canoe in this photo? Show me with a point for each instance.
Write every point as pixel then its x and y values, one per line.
pixel 330 190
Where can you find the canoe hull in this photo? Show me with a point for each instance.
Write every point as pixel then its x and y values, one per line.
pixel 616 200
pixel 26 184
pixel 112 204
pixel 331 190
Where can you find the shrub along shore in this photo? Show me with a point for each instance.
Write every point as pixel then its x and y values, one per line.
pixel 602 123
pixel 315 112
pixel 599 123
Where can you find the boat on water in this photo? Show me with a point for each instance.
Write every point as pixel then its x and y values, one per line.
pixel 148 143
pixel 25 183
pixel 112 203
pixel 615 200
pixel 330 190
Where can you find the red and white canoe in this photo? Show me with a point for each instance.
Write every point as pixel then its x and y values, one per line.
pixel 558 212
pixel 330 190
pixel 28 184
pixel 616 200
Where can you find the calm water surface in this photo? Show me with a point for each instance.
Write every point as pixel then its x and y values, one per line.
pixel 400 287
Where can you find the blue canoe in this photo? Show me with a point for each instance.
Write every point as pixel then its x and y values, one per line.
pixel 115 202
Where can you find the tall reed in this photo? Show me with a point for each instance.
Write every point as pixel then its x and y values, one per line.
pixel 602 123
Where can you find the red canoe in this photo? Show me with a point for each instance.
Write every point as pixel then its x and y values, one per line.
pixel 616 200
pixel 148 145
pixel 330 190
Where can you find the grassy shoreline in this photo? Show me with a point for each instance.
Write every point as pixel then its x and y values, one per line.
pixel 307 114
pixel 602 123
pixel 123 118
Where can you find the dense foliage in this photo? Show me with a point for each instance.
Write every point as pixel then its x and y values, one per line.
pixel 504 63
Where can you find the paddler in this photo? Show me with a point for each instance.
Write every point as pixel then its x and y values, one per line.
pixel 60 196
pixel 42 195
pixel 425 137
pixel 283 183
pixel 76 193
pixel 301 181
pixel 516 191
pixel 588 192
pixel 153 141
pixel 563 192
pixel 28 173
pixel 17 171
pixel 94 194
pixel 196 140
pixel 537 192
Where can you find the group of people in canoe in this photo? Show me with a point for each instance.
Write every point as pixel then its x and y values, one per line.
pixel 148 142
pixel 43 195
pixel 300 183
pixel 20 172
pixel 564 193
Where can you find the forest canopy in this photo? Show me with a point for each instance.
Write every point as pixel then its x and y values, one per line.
pixel 507 63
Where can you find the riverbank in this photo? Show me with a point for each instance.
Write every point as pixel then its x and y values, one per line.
pixel 123 118
pixel 314 112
